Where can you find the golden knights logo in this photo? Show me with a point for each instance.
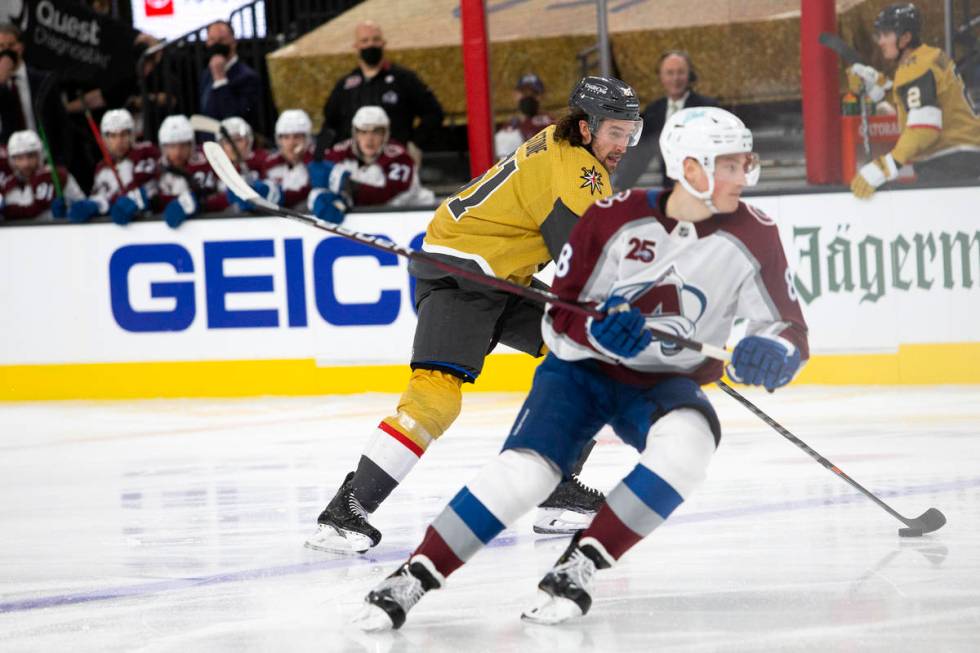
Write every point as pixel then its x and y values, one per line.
pixel 591 179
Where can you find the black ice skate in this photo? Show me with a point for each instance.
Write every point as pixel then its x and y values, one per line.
pixel 565 592
pixel 343 527
pixel 387 605
pixel 569 509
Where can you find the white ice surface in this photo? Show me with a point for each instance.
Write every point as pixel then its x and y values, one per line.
pixel 178 526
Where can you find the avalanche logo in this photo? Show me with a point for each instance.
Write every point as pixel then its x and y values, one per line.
pixel 591 179
pixel 670 304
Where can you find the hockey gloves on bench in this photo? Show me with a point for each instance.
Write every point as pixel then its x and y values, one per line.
pixel 758 360
pixel 622 332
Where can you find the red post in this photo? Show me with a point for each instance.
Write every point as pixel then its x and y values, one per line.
pixel 819 87
pixel 476 75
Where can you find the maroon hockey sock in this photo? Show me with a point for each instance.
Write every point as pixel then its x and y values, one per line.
pixel 610 532
pixel 435 549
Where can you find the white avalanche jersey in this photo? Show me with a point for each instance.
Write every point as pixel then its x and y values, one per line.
pixel 691 279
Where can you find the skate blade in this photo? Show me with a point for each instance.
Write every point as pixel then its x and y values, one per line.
pixel 552 521
pixel 372 619
pixel 551 610
pixel 336 540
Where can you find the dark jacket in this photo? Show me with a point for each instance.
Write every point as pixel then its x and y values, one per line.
pixel 637 159
pixel 398 91
pixel 239 97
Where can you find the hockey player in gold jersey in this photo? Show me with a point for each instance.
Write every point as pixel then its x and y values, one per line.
pixel 508 223
pixel 940 126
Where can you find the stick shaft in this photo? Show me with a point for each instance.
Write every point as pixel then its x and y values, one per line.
pixel 779 428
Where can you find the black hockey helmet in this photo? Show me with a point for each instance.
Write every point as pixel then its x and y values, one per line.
pixel 900 17
pixel 606 98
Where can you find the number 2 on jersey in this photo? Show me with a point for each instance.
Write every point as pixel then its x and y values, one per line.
pixel 459 206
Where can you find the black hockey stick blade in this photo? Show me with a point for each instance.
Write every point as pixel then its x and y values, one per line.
pixel 847 53
pixel 929 521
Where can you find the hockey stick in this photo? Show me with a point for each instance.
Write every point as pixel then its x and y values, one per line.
pixel 850 56
pixel 106 157
pixel 226 171
pixel 209 125
pixel 929 521
pixel 42 93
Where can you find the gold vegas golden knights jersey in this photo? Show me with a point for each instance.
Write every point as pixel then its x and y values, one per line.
pixel 935 113
pixel 519 214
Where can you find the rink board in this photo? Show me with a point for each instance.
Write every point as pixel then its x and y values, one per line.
pixel 262 306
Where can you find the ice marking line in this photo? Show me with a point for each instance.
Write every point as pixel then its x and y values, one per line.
pixel 391 556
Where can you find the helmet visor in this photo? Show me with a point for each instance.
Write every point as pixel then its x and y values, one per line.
pixel 743 166
pixel 623 132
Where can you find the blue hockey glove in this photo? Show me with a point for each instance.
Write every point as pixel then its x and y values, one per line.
pixel 59 208
pixel 759 360
pixel 622 331
pixel 83 210
pixel 179 209
pixel 125 208
pixel 320 173
pixel 269 191
pixel 327 206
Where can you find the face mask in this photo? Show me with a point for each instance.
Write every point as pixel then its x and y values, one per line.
pixel 528 105
pixel 372 55
pixel 218 48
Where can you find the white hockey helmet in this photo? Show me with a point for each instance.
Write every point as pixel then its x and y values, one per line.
pixel 369 117
pixel 293 121
pixel 23 142
pixel 116 120
pixel 174 130
pixel 239 127
pixel 702 134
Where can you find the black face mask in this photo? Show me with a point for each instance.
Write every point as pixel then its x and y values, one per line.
pixel 218 48
pixel 372 55
pixel 10 53
pixel 528 105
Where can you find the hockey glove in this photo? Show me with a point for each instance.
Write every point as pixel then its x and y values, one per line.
pixel 179 209
pixel 760 360
pixel 125 207
pixel 319 172
pixel 862 78
pixel 326 206
pixel 271 192
pixel 622 331
pixel 83 211
pixel 59 208
pixel 872 175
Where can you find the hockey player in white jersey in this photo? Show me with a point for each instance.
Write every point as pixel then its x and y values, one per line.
pixel 690 260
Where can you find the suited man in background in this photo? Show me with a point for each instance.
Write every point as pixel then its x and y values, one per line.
pixel 677 76
pixel 229 87
pixel 20 85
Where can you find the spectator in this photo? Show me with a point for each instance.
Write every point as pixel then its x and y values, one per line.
pixel 228 86
pixel 284 178
pixel 380 169
pixel 677 76
pixel 19 88
pixel 124 188
pixel 378 82
pixel 241 149
pixel 187 185
pixel 4 164
pixel 29 191
pixel 529 119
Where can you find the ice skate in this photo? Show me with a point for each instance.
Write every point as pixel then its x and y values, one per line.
pixel 565 592
pixel 343 527
pixel 387 605
pixel 569 509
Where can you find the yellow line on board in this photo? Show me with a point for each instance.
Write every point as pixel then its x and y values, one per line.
pixel 956 363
